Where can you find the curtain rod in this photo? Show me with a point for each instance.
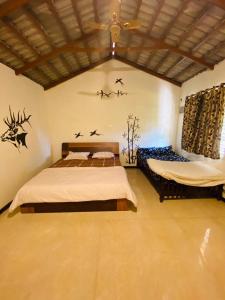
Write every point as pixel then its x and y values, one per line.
pixel 207 90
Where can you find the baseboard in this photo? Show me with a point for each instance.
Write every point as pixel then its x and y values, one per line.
pixel 5 207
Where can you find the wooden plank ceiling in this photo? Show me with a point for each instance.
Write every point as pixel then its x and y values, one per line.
pixel 50 41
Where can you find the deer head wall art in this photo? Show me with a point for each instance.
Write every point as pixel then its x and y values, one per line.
pixel 16 133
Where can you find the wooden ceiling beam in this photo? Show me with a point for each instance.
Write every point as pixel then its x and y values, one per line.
pixel 78 18
pixel 65 63
pixel 155 16
pixel 151 25
pixel 190 66
pixel 175 49
pixel 54 69
pixel 11 52
pixel 219 3
pixel 72 47
pixel 209 35
pixel 41 30
pixel 97 19
pixel 55 52
pixel 146 70
pixel 198 19
pixel 139 3
pixel 58 20
pixel 10 6
pixel 38 26
pixel 186 33
pixel 205 38
pixel 25 42
pixel 10 27
pixel 173 21
pixel 76 73
pixel 218 47
pixel 43 74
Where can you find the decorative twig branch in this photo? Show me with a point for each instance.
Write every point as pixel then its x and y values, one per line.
pixel 132 138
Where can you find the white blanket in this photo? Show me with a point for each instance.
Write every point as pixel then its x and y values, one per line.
pixel 195 173
pixel 75 184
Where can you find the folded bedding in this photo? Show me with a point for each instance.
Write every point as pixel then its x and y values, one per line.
pixel 195 173
pixel 75 184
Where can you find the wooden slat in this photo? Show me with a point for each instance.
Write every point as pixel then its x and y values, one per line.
pixel 77 16
pixel 76 73
pixel 175 49
pixel 10 27
pixel 72 47
pixel 58 20
pixel 37 25
pixel 209 35
pixel 146 70
pixel 54 53
pixel 173 21
pixel 11 52
pixel 151 25
pixel 139 2
pixel 186 33
pixel 219 3
pixel 10 6
pixel 41 30
pixel 190 66
pixel 26 43
pixel 205 38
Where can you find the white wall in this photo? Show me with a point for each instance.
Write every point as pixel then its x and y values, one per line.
pixel 200 82
pixel 74 106
pixel 16 167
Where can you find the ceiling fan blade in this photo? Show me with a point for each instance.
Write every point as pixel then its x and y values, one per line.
pixel 131 24
pixel 99 26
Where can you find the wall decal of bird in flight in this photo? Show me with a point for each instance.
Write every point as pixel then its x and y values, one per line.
pixel 94 132
pixel 77 135
pixel 119 80
pixel 103 94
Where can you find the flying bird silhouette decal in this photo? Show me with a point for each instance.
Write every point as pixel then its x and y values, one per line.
pixel 103 94
pixel 119 80
pixel 77 135
pixel 94 133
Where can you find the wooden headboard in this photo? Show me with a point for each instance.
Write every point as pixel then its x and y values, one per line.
pixel 89 147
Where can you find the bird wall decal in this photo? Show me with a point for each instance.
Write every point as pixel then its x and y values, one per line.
pixel 94 132
pixel 119 80
pixel 77 135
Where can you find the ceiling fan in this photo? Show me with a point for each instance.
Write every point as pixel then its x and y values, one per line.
pixel 115 25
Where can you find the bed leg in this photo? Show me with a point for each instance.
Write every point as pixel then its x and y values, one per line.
pixel 27 209
pixel 121 204
pixel 161 198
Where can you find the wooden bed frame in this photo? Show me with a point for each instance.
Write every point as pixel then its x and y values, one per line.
pixel 108 205
pixel 169 189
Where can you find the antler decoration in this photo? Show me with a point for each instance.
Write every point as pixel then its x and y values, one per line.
pixel 15 134
pixel 12 123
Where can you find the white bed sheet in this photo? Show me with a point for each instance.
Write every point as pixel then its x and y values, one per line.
pixel 195 173
pixel 74 185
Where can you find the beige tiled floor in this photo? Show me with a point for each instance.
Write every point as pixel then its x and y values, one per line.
pixel 165 251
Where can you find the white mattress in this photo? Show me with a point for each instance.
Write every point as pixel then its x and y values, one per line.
pixel 74 185
pixel 195 173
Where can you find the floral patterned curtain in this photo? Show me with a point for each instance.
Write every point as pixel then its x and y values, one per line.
pixel 203 121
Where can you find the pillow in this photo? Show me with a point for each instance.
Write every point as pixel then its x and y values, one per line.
pixel 103 155
pixel 77 155
pixel 156 150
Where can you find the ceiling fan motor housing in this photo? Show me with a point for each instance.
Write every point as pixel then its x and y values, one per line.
pixel 115 32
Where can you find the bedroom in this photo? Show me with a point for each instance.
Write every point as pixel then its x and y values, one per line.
pixel 107 255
